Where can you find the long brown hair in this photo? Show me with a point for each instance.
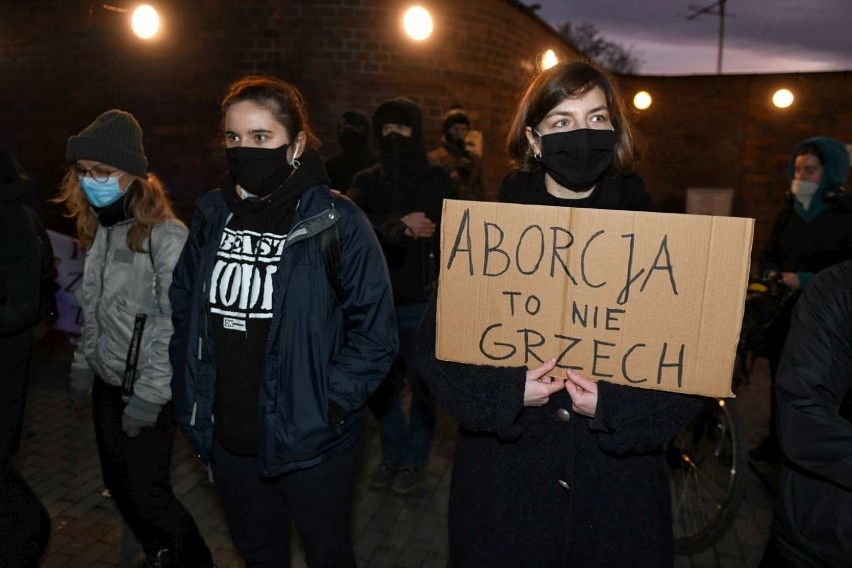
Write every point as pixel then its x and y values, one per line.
pixel 282 99
pixel 569 79
pixel 148 203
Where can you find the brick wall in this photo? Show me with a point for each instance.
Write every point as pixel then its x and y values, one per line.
pixel 724 131
pixel 65 61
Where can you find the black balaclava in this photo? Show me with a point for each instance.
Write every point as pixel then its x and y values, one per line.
pixel 403 159
pixel 354 132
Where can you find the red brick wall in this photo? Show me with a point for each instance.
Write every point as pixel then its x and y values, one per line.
pixel 724 131
pixel 62 62
pixel 62 65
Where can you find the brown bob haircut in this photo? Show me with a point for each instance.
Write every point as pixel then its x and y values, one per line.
pixel 282 99
pixel 566 80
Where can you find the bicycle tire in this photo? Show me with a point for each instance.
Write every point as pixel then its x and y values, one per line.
pixel 707 465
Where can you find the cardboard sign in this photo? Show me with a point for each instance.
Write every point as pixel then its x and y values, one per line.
pixel 650 300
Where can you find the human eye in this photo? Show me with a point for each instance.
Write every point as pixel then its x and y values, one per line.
pixel 561 123
pixel 260 138
pixel 231 137
pixel 600 118
pixel 102 173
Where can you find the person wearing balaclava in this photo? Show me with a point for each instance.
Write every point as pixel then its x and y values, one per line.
pixel 812 232
pixel 284 325
pixel 403 195
pixel 571 472
pixel 132 240
pixel 464 166
pixel 27 288
pixel 353 133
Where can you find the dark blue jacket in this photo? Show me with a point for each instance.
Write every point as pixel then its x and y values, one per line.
pixel 320 350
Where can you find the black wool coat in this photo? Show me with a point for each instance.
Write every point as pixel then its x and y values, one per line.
pixel 799 246
pixel 543 487
pixel 814 388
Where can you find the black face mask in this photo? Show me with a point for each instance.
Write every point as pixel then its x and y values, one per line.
pixel 351 139
pixel 260 171
pixel 396 142
pixel 457 142
pixel 577 159
pixel 396 148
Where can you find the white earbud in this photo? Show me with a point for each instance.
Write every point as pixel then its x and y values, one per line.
pixel 295 163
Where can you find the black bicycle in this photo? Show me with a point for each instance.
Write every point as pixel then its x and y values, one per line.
pixel 707 459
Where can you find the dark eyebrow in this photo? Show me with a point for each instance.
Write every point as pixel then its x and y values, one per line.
pixel 255 131
pixel 563 113
pixel 100 168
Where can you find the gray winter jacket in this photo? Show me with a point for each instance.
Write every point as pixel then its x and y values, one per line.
pixel 119 283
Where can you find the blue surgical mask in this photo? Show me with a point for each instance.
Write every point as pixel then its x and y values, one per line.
pixel 101 193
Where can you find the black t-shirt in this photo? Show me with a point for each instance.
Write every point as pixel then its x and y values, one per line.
pixel 241 311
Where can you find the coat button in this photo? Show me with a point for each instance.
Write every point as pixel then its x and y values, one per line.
pixel 563 415
pixel 564 485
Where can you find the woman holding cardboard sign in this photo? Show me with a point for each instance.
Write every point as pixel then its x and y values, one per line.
pixel 568 471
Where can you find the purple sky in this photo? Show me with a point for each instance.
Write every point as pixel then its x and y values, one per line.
pixel 761 36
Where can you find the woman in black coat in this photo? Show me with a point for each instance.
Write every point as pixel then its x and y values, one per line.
pixel 551 472
pixel 814 388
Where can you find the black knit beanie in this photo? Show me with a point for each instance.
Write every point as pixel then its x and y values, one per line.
pixel 455 116
pixel 114 139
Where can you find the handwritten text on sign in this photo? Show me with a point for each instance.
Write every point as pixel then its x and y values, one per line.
pixel 646 299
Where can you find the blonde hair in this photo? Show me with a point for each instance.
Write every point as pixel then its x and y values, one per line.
pixel 148 202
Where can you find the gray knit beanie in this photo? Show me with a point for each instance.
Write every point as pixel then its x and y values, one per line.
pixel 114 139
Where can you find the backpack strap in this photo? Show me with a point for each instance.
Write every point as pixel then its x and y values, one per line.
pixel 330 244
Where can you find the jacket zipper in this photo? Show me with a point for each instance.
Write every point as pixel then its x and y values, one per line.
pixel 101 290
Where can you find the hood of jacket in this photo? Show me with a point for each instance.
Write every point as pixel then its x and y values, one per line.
pixel 405 112
pixel 835 161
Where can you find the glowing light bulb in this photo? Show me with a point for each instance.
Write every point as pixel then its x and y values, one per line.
pixel 549 59
pixel 783 98
pixel 145 21
pixel 642 100
pixel 417 23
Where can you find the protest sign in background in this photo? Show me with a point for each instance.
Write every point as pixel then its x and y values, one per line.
pixel 69 259
pixel 651 300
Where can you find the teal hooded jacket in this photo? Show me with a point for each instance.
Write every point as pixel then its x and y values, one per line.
pixel 807 241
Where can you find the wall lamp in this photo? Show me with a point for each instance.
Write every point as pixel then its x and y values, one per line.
pixel 783 98
pixel 144 19
pixel 417 23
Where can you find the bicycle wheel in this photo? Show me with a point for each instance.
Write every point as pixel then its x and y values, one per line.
pixel 707 462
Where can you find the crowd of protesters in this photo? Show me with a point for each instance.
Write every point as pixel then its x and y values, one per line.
pixel 302 295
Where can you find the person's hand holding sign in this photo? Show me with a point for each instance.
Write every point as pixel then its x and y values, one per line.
pixel 584 394
pixel 540 385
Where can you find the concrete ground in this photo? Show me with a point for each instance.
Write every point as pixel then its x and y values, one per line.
pixel 58 458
